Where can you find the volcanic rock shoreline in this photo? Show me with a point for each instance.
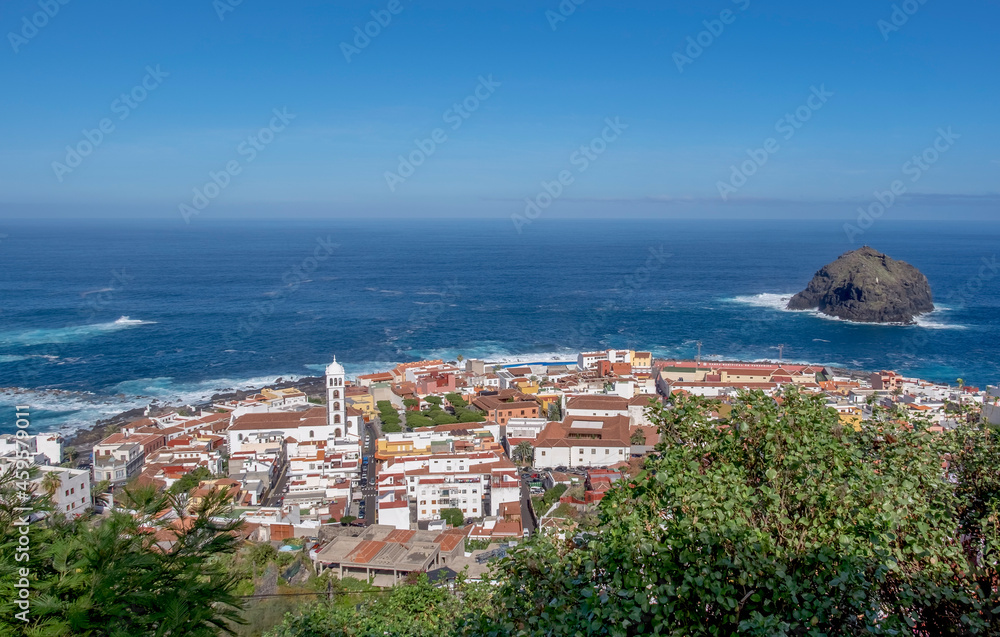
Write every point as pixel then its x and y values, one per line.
pixel 867 286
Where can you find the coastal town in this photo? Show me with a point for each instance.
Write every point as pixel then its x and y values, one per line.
pixel 440 466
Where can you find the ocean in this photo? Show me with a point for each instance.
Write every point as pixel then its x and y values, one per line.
pixel 103 316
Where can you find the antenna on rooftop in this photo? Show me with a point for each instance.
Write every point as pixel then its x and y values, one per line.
pixel 781 352
pixel 697 359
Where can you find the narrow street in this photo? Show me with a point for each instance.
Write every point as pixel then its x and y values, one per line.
pixel 527 520
pixel 278 492
pixel 369 492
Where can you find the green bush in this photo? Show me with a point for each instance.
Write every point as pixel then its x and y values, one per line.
pixel 418 419
pixel 469 416
pixel 543 502
pixel 444 418
pixel 476 545
pixel 454 517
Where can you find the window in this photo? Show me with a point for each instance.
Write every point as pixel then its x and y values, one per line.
pixel 67 491
pixel 336 419
pixel 72 491
pixel 607 451
pixel 336 405
pixel 423 502
pixel 312 434
pixel 475 510
pixel 423 512
pixel 593 451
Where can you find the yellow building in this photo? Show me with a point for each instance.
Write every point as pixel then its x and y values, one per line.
pixel 526 386
pixel 365 403
pixel 642 360
pixel 545 400
pixel 851 418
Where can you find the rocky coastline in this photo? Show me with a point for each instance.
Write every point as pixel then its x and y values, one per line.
pixel 867 286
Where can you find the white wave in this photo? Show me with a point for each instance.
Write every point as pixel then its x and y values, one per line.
pixel 13 358
pixel 68 411
pixel 780 302
pixel 925 321
pixel 165 389
pixel 69 334
pixel 766 299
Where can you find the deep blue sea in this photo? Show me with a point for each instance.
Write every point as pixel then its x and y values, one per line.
pixel 120 313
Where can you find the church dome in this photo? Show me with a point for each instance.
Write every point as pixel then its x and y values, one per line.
pixel 334 368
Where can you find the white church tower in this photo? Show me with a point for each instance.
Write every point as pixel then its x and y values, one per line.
pixel 336 401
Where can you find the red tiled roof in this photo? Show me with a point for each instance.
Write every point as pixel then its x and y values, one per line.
pixel 597 402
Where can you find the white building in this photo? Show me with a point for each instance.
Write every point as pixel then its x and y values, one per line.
pixel 72 496
pixel 70 492
pixel 585 441
pixel 525 428
pixel 601 406
pixel 250 429
pixel 477 483
pixel 46 448
pixel 589 360
pixel 991 408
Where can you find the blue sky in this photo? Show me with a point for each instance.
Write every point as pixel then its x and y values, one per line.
pixel 555 83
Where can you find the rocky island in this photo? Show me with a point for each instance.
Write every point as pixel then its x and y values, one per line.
pixel 868 286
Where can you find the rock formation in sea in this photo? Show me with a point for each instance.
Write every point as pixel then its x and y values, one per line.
pixel 868 286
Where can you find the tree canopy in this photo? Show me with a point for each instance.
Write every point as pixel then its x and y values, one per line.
pixel 134 573
pixel 776 520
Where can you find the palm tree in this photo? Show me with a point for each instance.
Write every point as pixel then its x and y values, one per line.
pixel 638 437
pixel 51 482
pixel 523 452
pixel 121 577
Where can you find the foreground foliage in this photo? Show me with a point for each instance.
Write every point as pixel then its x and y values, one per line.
pixel 776 521
pixel 115 576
